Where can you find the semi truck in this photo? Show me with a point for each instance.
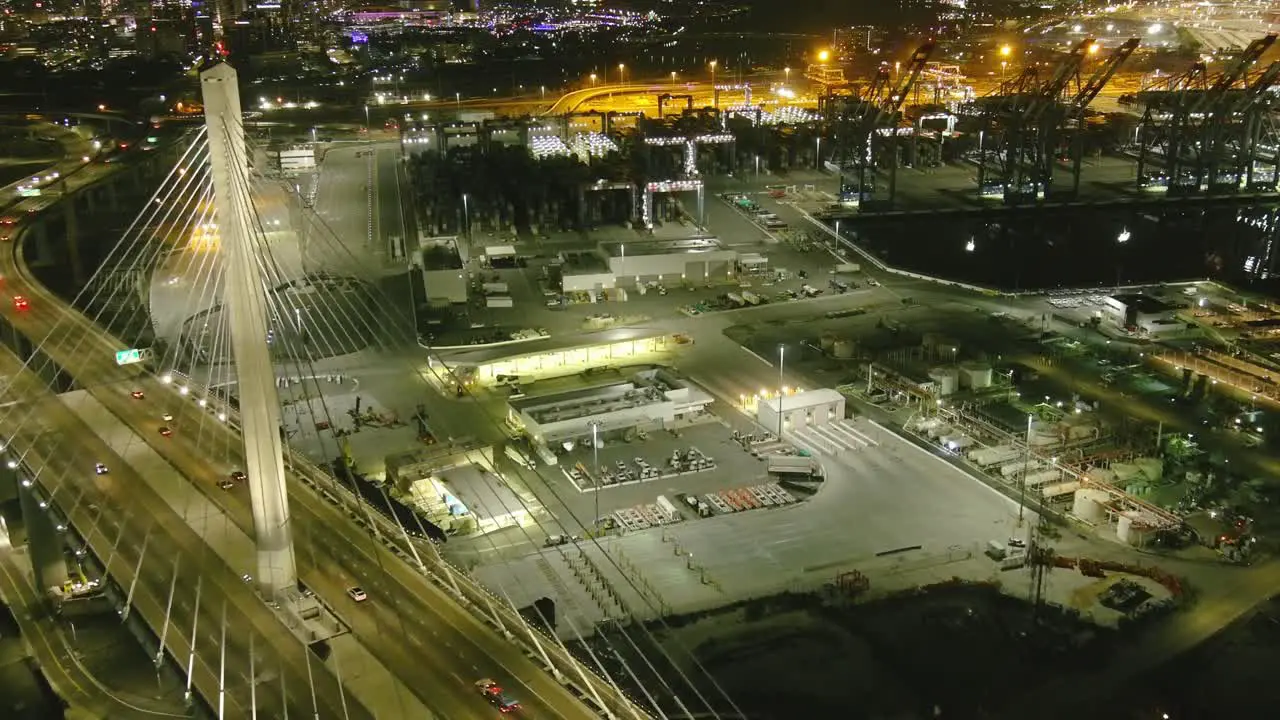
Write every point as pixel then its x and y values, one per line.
pixel 845 268
pixel 751 298
pixel 499 301
pixel 790 465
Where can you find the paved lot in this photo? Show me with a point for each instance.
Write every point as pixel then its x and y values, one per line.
pixel 875 499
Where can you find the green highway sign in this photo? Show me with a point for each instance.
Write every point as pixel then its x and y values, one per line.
pixel 128 357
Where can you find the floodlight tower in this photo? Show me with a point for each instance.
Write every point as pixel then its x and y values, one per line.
pixel 245 302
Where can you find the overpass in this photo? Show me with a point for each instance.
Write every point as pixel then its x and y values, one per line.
pixel 470 631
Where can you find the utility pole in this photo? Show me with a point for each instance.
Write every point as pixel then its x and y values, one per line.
pixel 782 353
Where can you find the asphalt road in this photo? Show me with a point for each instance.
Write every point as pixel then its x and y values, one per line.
pixel 408 624
pixel 146 547
pixel 56 656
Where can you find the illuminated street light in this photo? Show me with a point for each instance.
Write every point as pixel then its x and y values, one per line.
pixel 622 74
pixel 786 74
pixel 1124 236
pixel 1093 49
pixel 824 55
pixel 1005 51
pixel 715 94
pixel 673 79
pixel 593 79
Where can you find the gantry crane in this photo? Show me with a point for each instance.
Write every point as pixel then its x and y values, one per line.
pixel 1073 116
pixel 859 124
pixel 1017 125
pixel 1232 135
pixel 1179 124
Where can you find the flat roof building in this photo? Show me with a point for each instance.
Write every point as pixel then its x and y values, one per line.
pixel 1136 309
pixel 690 259
pixel 443 277
pixel 650 399
pixel 799 410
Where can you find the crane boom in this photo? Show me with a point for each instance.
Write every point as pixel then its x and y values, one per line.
pixel 1101 76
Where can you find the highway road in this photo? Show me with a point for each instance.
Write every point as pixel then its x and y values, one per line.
pixel 408 624
pixel 57 657
pixel 147 549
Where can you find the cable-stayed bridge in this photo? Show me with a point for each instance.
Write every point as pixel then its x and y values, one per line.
pixel 190 560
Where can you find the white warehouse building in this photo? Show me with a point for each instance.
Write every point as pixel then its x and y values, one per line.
pixel 811 407
pixel 651 399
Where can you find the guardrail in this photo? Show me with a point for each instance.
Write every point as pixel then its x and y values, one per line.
pixel 565 668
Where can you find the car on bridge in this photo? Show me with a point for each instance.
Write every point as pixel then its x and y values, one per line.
pixel 137 394
pixel 100 469
pixel 21 303
pixel 494 693
pixel 166 432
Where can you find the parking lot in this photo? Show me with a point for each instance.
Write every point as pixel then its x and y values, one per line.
pixel 725 466
pixel 874 500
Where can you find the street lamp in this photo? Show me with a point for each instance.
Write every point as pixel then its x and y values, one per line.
pixel 366 121
pixel 466 220
pixel 673 79
pixel 786 74
pixel 782 353
pixel 544 92
pixel 457 98
pixel 824 55
pixel 715 95
pixel 593 79
pixel 595 475
pixel 622 74
pixel 817 152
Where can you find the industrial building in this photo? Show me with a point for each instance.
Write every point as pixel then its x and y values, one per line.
pixel 649 400
pixel 292 160
pixel 1135 310
pixel 560 356
pixel 802 409
pixel 670 261
pixel 443 277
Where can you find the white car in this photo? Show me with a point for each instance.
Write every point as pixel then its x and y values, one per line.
pixel 100 469
pixel 358 594
pixel 167 417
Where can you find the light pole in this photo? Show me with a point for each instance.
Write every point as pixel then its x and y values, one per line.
pixel 595 475
pixel 1121 239
pixel 622 74
pixel 622 261
pixel 593 79
pixel 786 74
pixel 366 121
pixel 544 92
pixel 673 79
pixel 715 94
pixel 782 354
pixel 1026 464
pixel 466 221
pixel 457 98
pixel 817 152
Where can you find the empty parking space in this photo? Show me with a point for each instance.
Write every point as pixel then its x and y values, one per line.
pixel 881 497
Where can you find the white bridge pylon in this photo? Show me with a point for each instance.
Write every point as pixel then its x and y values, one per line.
pixel 245 303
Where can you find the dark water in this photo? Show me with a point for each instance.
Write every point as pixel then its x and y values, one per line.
pixel 1049 249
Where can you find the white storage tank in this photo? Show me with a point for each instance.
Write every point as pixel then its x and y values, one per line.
pixel 1088 505
pixel 1131 530
pixel 946 379
pixel 975 375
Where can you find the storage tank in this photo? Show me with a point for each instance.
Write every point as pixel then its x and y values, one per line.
pixel 842 349
pixel 1088 505
pixel 947 380
pixel 1131 530
pixel 975 375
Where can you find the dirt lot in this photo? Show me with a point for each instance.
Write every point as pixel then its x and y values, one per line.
pixel 951 649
